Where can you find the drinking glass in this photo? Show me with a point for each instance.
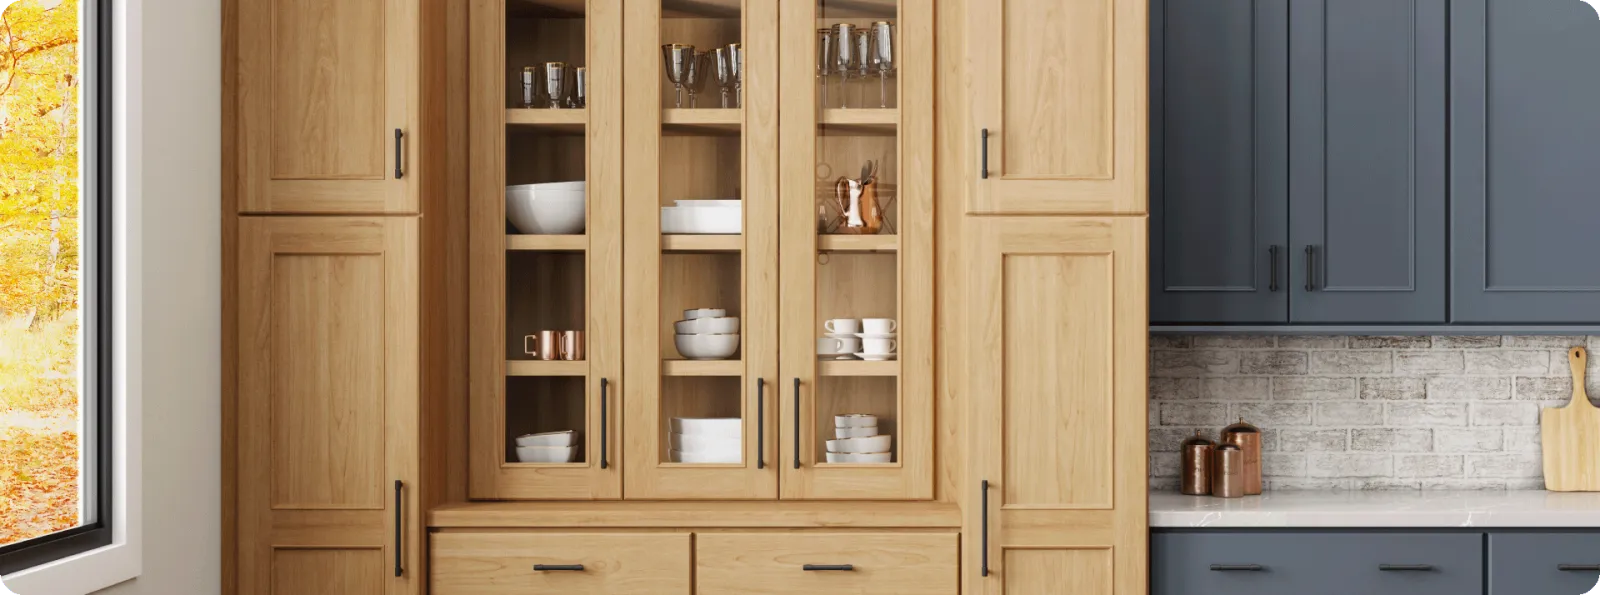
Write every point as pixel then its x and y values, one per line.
pixel 844 57
pixel 677 57
pixel 824 60
pixel 724 65
pixel 580 88
pixel 530 86
pixel 737 51
pixel 883 58
pixel 555 83
pixel 695 79
pixel 863 59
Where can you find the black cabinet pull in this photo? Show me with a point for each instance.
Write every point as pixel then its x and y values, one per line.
pixel 984 172
pixel 605 422
pixel 399 530
pixel 1578 567
pixel 555 567
pixel 985 512
pixel 761 423
pixel 399 158
pixel 1311 268
pixel 797 423
pixel 838 567
pixel 1272 277
pixel 1236 567
pixel 1406 567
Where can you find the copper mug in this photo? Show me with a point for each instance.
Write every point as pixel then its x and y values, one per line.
pixel 571 343
pixel 554 345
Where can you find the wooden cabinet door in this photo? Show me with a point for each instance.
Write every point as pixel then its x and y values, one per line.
pixel 1524 139
pixel 327 92
pixel 1059 105
pixel 1219 187
pixel 328 406
pixel 1056 371
pixel 811 563
pixel 560 563
pixel 1367 172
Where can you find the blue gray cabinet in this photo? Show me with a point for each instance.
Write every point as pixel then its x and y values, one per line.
pixel 1525 161
pixel 1316 563
pixel 1538 563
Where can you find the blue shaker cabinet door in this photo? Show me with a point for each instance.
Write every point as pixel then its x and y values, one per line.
pixel 1219 162
pixel 1525 161
pixel 1316 563
pixel 1540 563
pixel 1367 161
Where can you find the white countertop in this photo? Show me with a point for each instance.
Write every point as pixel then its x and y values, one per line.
pixel 1521 508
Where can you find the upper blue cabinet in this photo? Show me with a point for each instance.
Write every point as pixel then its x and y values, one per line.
pixel 1525 161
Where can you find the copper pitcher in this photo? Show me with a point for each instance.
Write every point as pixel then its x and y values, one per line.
pixel 858 205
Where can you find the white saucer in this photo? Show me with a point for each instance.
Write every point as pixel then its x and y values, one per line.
pixel 835 356
pixel 876 357
pixel 839 335
pixel 871 336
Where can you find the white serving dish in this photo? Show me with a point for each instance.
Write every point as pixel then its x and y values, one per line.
pixel 859 457
pixel 705 444
pixel 702 220
pixel 855 420
pixel 699 313
pixel 678 456
pixel 855 432
pixel 879 443
pixel 726 325
pixel 562 438
pixel 546 209
pixel 726 203
pixel 717 427
pixel 707 347
pixel 545 454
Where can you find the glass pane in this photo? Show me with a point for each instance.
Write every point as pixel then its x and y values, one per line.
pixel 545 419
pixel 545 324
pixel 546 93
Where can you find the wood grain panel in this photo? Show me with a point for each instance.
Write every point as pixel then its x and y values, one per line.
pixel 1058 89
pixel 1081 572
pixel 502 563
pixel 772 564
pixel 327 571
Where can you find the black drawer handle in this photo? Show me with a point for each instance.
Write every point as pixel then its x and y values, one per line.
pixel 1237 567
pixel 1578 567
pixel 1406 567
pixel 554 567
pixel 831 567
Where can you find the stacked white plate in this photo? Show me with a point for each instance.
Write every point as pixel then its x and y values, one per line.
pixel 706 440
pixel 703 217
pixel 548 447
pixel 556 208
pixel 857 440
pixel 707 334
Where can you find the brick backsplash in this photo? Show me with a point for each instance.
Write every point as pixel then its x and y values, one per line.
pixel 1366 413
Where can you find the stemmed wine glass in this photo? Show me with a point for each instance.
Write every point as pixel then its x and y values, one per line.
pixel 736 51
pixel 695 79
pixel 679 59
pixel 724 64
pixel 844 57
pixel 883 58
pixel 824 60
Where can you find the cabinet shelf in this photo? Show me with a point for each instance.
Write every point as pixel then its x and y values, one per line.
pixel 683 367
pixel 846 243
pixel 560 121
pixel 546 368
pixel 858 368
pixel 701 243
pixel 549 243
pixel 860 122
pixel 702 121
pixel 547 8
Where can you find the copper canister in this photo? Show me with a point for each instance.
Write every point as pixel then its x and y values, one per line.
pixel 1227 474
pixel 1248 439
pixel 1197 453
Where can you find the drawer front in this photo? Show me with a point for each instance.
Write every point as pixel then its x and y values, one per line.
pixel 504 563
pixel 1537 563
pixel 1275 563
pixel 775 563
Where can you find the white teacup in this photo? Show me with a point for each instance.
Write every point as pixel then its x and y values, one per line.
pixel 841 326
pixel 832 346
pixel 879 326
pixel 879 346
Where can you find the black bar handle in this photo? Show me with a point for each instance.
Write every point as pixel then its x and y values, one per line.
pixel 985 512
pixel 399 159
pixel 1311 268
pixel 555 567
pixel 605 423
pixel 984 172
pixel 399 530
pixel 1406 567
pixel 838 567
pixel 761 423
pixel 1236 567
pixel 1272 282
pixel 797 423
pixel 1578 567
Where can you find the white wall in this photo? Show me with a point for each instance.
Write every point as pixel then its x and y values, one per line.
pixel 181 275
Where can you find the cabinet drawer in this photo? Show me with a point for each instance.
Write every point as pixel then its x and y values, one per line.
pixel 1275 563
pixel 1543 563
pixel 776 563
pixel 504 563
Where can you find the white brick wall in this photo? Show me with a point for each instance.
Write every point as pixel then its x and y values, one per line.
pixel 1366 413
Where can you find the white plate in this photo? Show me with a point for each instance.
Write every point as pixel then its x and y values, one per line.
pixel 879 443
pixel 678 456
pixel 863 457
pixel 721 427
pixel 876 357
pixel 855 432
pixel 839 335
pixel 697 443
pixel 699 313
pixel 701 220
pixel 855 420
pixel 870 336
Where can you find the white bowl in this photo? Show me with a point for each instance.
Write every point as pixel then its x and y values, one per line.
pixel 859 457
pixel 726 203
pixel 547 208
pixel 706 347
pixel 855 432
pixel 562 438
pixel 699 313
pixel 716 427
pixel 727 325
pixel 855 420
pixel 698 443
pixel 545 454
pixel 702 220
pixel 879 443
pixel 678 456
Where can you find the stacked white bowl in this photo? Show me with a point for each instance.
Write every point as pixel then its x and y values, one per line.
pixel 707 334
pixel 706 440
pixel 703 217
pixel 857 440
pixel 548 447
pixel 545 209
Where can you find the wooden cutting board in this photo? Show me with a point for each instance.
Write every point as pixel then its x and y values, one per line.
pixel 1571 437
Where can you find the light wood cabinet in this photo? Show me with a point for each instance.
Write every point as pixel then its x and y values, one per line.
pixel 328 398
pixel 810 563
pixel 1057 329
pixel 327 103
pixel 560 563
pixel 1059 106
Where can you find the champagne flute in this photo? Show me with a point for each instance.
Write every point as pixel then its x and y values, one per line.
pixel 824 60
pixel 737 52
pixel 724 64
pixel 677 57
pixel 863 59
pixel 844 57
pixel 883 58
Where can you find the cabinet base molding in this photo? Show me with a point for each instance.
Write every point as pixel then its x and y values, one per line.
pixel 695 514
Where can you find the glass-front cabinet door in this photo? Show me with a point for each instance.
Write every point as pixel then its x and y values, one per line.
pixel 701 251
pixel 857 256
pixel 545 218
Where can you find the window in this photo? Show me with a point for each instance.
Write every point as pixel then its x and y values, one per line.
pixel 55 280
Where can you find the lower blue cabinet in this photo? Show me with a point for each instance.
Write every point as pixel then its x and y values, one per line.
pixel 1316 563
pixel 1540 563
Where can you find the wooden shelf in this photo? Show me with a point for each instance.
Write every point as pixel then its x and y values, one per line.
pixel 701 243
pixel 856 9
pixel 561 121
pixel 848 243
pixel 740 514
pixel 848 367
pixel 860 122
pixel 546 368
pixel 716 9
pixel 684 367
pixel 551 243
pixel 702 121
pixel 546 8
